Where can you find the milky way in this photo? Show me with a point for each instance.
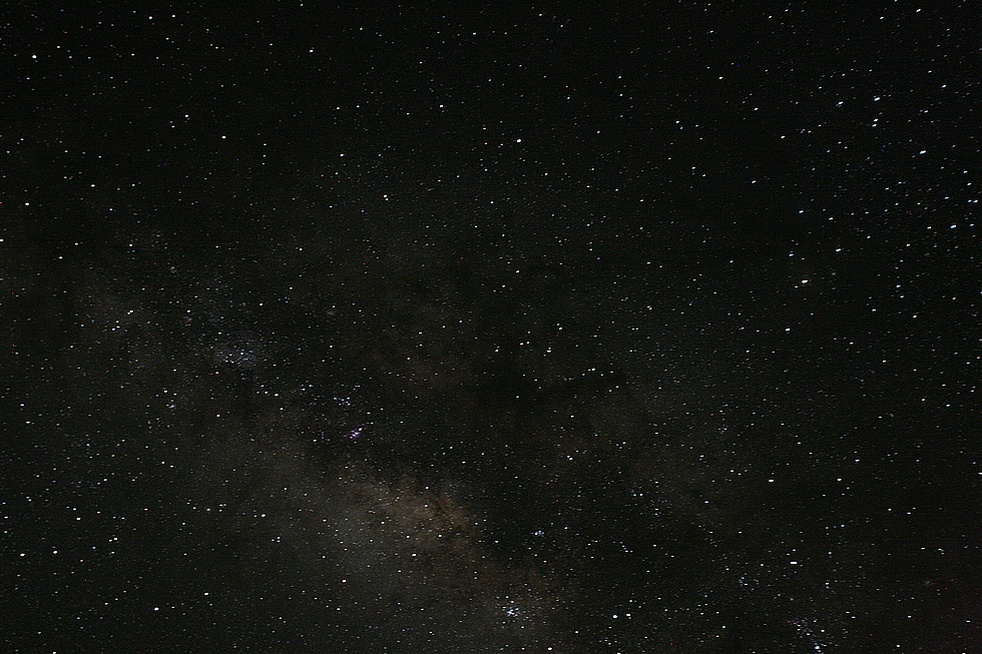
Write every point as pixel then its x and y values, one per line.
pixel 527 330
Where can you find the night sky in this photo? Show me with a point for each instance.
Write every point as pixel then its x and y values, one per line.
pixel 565 327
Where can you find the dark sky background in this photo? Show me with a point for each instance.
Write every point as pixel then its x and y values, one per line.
pixel 531 328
